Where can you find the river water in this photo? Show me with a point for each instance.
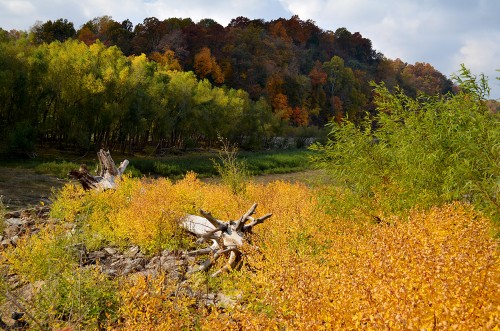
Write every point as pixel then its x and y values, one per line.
pixel 22 188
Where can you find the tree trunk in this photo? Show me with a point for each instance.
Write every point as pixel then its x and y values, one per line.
pixel 106 176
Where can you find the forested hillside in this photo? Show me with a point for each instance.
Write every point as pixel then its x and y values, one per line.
pixel 177 83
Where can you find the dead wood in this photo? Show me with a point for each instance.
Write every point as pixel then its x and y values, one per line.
pixel 226 237
pixel 107 173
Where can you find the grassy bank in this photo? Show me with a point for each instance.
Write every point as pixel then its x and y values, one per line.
pixel 172 166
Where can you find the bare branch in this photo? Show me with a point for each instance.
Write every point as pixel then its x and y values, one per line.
pixel 107 173
pixel 259 220
pixel 208 263
pixel 210 234
pixel 215 222
pixel 108 167
pixel 244 218
pixel 199 226
pixel 122 167
pixel 231 263
pixel 207 250
pixel 229 235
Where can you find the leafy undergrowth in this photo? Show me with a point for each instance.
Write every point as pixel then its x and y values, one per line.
pixel 305 269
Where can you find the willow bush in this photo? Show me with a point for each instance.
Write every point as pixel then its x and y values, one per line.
pixel 418 153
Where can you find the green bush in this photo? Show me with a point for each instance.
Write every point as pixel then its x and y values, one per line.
pixel 418 152
pixel 166 169
pixel 234 172
pixel 45 253
pixel 65 292
pixel 281 162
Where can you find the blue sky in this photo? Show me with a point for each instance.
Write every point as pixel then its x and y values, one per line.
pixel 443 33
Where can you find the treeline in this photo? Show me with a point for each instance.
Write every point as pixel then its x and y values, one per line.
pixel 179 83
pixel 71 95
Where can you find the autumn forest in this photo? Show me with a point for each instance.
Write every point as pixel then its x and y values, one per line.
pixel 177 83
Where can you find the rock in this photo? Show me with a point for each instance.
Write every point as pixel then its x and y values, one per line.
pixel 110 250
pixel 132 251
pixel 16 221
pixel 11 231
pixel 94 257
pixel 208 299
pixel 169 263
pixel 14 240
pixel 133 266
pixel 173 266
pixel 110 272
pixel 13 214
pixel 116 263
pixel 224 301
pixel 153 262
pixel 5 243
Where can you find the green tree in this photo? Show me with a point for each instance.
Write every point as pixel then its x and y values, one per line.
pixel 21 94
pixel 342 83
pixel 49 31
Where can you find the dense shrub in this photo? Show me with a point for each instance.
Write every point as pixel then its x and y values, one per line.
pixel 416 274
pixel 417 153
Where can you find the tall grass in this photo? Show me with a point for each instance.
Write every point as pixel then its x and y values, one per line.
pixel 176 166
pixel 58 169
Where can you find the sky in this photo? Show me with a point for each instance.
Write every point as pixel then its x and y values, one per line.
pixel 444 33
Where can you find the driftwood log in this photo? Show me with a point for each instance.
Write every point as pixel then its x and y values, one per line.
pixel 227 237
pixel 107 172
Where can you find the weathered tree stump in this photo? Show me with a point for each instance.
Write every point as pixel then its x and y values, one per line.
pixel 106 176
pixel 226 237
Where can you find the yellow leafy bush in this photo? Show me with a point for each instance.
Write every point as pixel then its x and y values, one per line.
pixel 151 304
pixel 45 253
pixel 304 269
pixel 439 270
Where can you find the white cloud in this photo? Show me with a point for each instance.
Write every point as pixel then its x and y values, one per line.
pixel 18 7
pixel 13 11
pixel 481 54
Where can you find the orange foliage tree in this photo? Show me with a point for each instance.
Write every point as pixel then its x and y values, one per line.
pixel 205 64
pixel 167 59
